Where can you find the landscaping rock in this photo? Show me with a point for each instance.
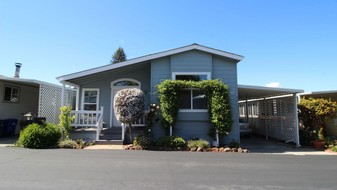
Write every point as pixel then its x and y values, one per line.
pixel 193 149
pixel 214 149
pixel 239 150
pixel 199 149
pixel 227 150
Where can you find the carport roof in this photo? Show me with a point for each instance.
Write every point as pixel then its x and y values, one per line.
pixel 247 92
pixel 23 81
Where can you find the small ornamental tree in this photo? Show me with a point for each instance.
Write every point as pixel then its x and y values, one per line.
pixel 129 106
pixel 66 120
pixel 320 109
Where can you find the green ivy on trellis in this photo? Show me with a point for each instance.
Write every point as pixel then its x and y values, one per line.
pixel 217 94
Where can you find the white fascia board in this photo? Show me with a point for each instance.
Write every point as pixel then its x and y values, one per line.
pixel 318 92
pixel 219 52
pixel 271 88
pixel 149 57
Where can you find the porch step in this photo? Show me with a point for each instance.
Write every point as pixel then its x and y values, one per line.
pixel 109 142
pixel 110 136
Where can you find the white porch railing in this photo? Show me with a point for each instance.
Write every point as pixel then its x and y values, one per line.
pixel 84 118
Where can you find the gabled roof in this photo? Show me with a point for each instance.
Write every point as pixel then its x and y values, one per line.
pixel 151 57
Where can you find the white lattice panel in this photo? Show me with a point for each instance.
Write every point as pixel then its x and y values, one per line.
pixel 274 118
pixel 50 101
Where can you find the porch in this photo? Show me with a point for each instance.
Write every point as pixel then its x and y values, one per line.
pixel 90 125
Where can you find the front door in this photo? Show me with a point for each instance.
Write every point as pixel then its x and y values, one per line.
pixel 115 87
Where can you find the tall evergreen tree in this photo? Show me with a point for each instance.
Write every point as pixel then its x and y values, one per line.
pixel 119 56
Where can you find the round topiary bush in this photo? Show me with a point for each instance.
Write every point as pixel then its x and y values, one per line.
pixel 40 136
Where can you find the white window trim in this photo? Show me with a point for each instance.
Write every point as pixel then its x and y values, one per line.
pixel 208 74
pixel 126 79
pixel 174 74
pixel 90 89
pixel 12 87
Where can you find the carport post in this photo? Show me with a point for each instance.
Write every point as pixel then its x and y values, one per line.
pixel 265 117
pixel 246 111
pixel 296 121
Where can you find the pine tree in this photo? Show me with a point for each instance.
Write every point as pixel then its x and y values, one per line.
pixel 119 56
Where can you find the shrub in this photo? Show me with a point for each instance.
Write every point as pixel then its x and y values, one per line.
pixel 40 136
pixel 198 144
pixel 74 144
pixel 68 143
pixel 234 144
pixel 171 142
pixel 65 120
pixel 144 141
pixel 334 148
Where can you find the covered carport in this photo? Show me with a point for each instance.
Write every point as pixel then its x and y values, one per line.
pixel 272 112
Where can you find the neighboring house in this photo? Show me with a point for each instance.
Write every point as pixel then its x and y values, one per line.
pixel 96 87
pixel 331 127
pixel 20 96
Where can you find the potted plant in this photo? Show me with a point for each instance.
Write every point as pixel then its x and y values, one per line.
pixel 319 143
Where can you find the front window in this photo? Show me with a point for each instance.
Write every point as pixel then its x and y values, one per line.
pixel 192 99
pixel 11 94
pixel 90 99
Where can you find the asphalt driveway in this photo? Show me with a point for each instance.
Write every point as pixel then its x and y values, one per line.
pixel 113 169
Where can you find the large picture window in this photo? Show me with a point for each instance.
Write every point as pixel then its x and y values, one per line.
pixel 11 94
pixel 90 99
pixel 192 99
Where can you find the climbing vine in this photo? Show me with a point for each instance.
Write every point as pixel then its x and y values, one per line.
pixel 217 95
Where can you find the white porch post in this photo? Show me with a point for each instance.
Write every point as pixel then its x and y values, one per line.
pixel 296 121
pixel 123 131
pixel 77 98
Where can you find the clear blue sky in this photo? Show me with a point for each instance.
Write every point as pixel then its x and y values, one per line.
pixel 293 43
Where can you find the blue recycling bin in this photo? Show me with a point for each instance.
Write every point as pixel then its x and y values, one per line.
pixel 10 126
pixel 2 128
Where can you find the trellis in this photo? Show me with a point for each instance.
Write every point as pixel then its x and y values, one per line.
pixel 50 101
pixel 273 117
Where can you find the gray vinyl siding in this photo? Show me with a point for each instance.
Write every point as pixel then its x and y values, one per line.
pixel 141 74
pixel 28 102
pixel 226 71
pixel 191 61
pixel 160 71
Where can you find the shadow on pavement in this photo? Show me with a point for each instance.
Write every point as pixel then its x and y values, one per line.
pixel 261 145
pixel 8 141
